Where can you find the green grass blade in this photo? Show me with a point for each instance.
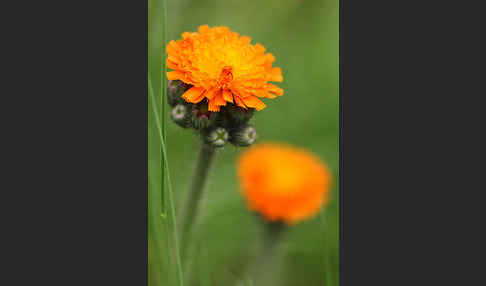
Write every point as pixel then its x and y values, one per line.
pixel 169 189
pixel 163 99
pixel 160 262
pixel 160 272
pixel 173 217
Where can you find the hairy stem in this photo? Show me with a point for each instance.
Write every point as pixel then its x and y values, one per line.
pixel 206 155
pixel 266 259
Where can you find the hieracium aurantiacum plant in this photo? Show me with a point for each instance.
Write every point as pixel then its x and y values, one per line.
pixel 217 82
pixel 285 185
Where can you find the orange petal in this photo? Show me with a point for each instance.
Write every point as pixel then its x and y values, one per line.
pixel 174 75
pixel 194 95
pixel 172 47
pixel 228 96
pixel 264 93
pixel 203 28
pixel 212 106
pixel 224 29
pixel 218 99
pixel 245 40
pixel 263 59
pixel 172 64
pixel 259 48
pixel 240 102
pixel 186 35
pixel 275 89
pixel 253 101
pixel 270 57
pixel 276 75
pixel 211 93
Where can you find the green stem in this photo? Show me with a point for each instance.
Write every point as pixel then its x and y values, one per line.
pixel 206 156
pixel 271 238
pixel 327 258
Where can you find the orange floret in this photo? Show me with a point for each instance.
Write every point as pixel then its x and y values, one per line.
pixel 222 67
pixel 283 183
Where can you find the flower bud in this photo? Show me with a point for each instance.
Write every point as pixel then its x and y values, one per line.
pixel 237 114
pixel 244 135
pixel 180 116
pixel 217 137
pixel 201 117
pixel 175 89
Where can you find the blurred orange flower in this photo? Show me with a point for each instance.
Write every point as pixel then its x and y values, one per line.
pixel 223 67
pixel 282 182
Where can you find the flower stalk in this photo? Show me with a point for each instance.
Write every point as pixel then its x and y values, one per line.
pixel 267 256
pixel 203 166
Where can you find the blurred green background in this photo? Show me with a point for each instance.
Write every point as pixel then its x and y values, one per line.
pixel 303 35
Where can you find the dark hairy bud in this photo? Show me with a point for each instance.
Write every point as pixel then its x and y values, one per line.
pixel 244 135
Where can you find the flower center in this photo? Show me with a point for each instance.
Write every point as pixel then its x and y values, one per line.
pixel 225 77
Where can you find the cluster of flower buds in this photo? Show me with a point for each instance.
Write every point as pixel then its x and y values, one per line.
pixel 230 124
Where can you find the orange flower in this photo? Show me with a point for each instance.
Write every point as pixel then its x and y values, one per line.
pixel 223 67
pixel 282 182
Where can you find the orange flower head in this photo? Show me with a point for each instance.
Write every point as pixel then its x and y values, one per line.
pixel 283 183
pixel 223 67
